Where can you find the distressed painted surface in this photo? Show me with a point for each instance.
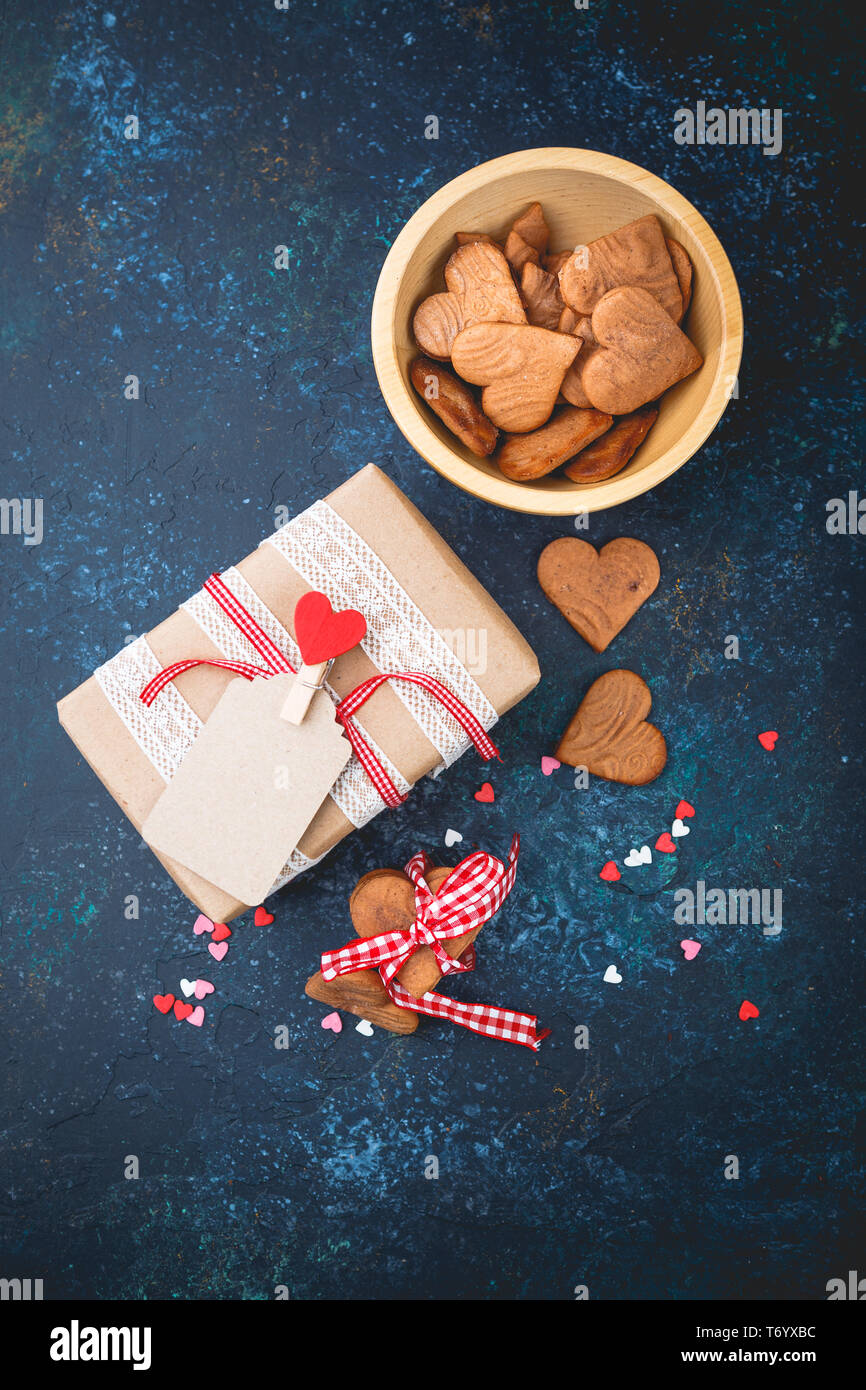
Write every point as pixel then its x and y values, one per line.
pixel 305 1167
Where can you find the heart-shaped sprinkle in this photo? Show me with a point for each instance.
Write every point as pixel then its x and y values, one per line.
pixel 188 986
pixel 452 837
pixel 203 988
pixel 684 808
pixel 768 739
pixel 610 734
pixel 221 932
pixel 609 872
pixel 690 948
pixel 612 976
pixel 485 793
pixel 163 1002
pixel 196 1018
pixel 678 829
pixel 748 1010
pixel 333 1022
pixel 321 633
pixel 364 1027
pixel 549 765
pixel 181 1010
pixel 665 844
pixel 202 924
pixel 263 918
pixel 218 949
pixel 644 855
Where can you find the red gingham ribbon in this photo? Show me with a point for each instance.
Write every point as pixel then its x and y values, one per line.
pixel 468 898
pixel 276 664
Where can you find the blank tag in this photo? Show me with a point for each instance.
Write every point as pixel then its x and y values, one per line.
pixel 249 787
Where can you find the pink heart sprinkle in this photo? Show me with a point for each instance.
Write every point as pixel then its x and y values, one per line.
pixel 196 1018
pixel 202 924
pixel 690 949
pixel 334 1022
pixel 549 765
pixel 218 949
pixel 202 988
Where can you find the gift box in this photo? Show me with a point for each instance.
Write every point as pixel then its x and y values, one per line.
pixel 366 547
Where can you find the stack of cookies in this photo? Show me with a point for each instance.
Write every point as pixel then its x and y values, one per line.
pixel 571 349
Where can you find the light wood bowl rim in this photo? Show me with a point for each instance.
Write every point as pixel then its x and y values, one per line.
pixel 502 491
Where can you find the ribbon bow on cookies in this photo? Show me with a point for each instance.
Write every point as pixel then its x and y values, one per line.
pixel 457 907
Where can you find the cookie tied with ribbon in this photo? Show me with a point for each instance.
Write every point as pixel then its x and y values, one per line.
pixel 388 976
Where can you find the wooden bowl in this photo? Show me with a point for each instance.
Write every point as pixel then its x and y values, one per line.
pixel 584 194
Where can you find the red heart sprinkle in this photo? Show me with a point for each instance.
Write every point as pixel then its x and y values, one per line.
pixel 263 918
pixel 485 794
pixel 768 739
pixel 666 844
pixel 321 633
pixel 684 808
pixel 163 1002
pixel 748 1010
pixel 220 932
pixel 610 873
pixel 182 1010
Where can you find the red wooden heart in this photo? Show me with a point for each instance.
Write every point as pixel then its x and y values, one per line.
pixel 609 872
pixel 321 633
pixel 163 1002
pixel 181 1010
pixel 263 918
pixel 221 932
pixel 665 844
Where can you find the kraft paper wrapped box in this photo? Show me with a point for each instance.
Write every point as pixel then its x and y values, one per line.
pixel 367 547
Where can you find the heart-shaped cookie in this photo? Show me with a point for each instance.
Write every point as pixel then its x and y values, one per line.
pixel 609 734
pixel 520 367
pixel 384 900
pixel 598 591
pixel 640 352
pixel 635 254
pixel 480 289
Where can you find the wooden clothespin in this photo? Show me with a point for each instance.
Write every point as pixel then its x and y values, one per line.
pixel 322 635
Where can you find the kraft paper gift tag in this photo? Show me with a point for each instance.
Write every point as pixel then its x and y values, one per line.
pixel 249 787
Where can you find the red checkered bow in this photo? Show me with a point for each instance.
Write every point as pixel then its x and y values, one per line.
pixel 276 664
pixel 467 899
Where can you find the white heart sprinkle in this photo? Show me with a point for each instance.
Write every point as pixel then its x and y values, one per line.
pixel 679 828
pixel 188 986
pixel 612 976
pixel 452 837
pixel 644 855
pixel 365 1028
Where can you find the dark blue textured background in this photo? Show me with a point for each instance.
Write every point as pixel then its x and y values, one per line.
pixel 305 1167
